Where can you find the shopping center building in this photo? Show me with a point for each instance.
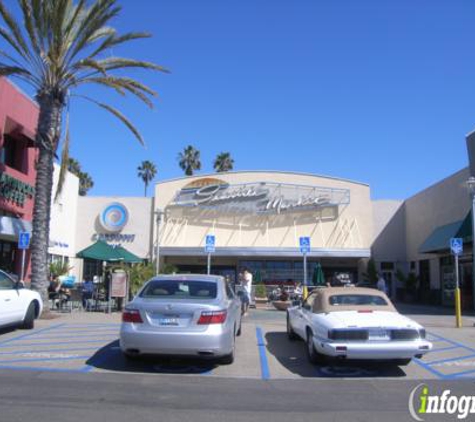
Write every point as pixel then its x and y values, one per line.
pixel 257 218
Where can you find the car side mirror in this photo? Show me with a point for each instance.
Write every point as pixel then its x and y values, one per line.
pixel 19 285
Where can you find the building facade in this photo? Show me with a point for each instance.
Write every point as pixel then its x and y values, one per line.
pixel 257 218
pixel 18 120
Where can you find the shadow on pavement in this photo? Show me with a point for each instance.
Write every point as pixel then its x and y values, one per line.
pixel 110 358
pixel 7 330
pixel 292 355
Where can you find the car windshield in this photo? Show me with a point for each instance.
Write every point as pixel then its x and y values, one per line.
pixel 357 300
pixel 180 289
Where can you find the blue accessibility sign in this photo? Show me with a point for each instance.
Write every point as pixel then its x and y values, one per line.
pixel 456 245
pixel 305 244
pixel 24 240
pixel 210 243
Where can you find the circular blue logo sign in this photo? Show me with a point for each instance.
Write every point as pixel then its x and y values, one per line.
pixel 114 217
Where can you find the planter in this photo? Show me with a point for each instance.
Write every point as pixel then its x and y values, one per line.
pixel 261 300
pixel 281 305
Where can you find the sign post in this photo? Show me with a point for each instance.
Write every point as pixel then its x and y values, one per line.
pixel 305 249
pixel 456 246
pixel 23 244
pixel 210 247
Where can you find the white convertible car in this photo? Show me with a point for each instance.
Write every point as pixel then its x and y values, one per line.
pixel 18 306
pixel 355 323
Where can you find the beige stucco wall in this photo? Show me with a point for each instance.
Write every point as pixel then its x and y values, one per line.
pixel 353 229
pixel 443 203
pixel 63 215
pixel 139 222
pixel 389 242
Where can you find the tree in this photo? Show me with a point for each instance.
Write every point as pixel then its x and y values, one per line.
pixel 85 180
pixel 59 46
pixel 223 162
pixel 189 160
pixel 146 171
pixel 371 274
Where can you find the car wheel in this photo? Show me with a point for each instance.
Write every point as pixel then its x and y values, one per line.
pixel 229 359
pixel 29 321
pixel 290 332
pixel 402 362
pixel 312 354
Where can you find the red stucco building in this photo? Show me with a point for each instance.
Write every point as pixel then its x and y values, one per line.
pixel 18 120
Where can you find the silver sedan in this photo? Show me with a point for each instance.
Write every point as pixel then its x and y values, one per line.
pixel 184 315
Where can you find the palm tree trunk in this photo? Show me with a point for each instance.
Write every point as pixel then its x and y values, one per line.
pixel 47 136
pixel 145 188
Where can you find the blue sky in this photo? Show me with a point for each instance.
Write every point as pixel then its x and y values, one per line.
pixel 381 92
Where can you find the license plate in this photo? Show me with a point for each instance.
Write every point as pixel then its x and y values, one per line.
pixel 378 334
pixel 168 321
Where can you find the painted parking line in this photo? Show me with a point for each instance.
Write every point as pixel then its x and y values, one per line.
pixel 79 338
pixel 265 374
pixel 54 343
pixel 31 334
pixel 454 359
pixel 75 349
pixel 444 349
pixel 45 359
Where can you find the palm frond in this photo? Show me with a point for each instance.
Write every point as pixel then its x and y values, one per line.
pixel 119 115
pixel 15 29
pixel 120 84
pixel 114 41
pixel 64 161
pixel 112 63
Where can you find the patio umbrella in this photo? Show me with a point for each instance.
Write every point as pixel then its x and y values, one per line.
pixel 318 278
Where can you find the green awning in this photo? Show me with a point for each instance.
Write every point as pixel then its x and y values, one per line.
pixel 102 251
pixel 127 256
pixel 439 239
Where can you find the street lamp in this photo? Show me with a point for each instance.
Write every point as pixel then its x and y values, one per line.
pixel 159 214
pixel 471 189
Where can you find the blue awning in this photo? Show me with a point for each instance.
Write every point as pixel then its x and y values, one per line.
pixel 439 239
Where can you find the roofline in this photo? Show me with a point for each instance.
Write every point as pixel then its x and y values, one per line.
pixel 439 182
pixel 21 91
pixel 176 179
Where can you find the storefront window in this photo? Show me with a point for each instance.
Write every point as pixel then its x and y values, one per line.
pixel 7 256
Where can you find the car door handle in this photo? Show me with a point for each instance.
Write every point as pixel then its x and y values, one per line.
pixel 7 300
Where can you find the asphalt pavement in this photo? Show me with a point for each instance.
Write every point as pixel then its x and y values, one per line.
pixel 70 368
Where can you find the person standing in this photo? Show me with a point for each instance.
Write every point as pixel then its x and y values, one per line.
pixel 381 285
pixel 247 284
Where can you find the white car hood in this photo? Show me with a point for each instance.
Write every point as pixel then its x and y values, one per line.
pixel 355 319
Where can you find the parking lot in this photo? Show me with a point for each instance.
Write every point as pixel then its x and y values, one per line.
pixel 88 342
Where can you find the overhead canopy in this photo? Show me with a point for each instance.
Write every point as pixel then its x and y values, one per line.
pixel 102 251
pixel 439 239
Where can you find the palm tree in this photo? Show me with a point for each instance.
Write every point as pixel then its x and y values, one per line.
pixel 85 180
pixel 189 160
pixel 146 172
pixel 85 183
pixel 223 162
pixel 59 46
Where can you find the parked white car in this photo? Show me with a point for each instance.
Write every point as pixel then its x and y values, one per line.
pixel 18 306
pixel 355 323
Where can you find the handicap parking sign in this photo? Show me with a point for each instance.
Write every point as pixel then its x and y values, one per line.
pixel 23 240
pixel 456 245
pixel 210 243
pixel 304 244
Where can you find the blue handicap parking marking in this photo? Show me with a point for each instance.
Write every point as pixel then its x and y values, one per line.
pixel 440 367
pixel 53 347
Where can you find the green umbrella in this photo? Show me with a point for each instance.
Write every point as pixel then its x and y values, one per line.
pixel 318 278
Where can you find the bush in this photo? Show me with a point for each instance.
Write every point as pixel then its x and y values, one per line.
pixel 261 290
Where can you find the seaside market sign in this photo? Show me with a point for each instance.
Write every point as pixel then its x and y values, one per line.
pixel 261 198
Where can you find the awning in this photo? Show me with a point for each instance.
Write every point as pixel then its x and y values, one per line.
pixel 102 251
pixel 439 239
pixel 465 230
pixel 11 227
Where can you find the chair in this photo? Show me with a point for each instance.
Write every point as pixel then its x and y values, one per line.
pixel 75 300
